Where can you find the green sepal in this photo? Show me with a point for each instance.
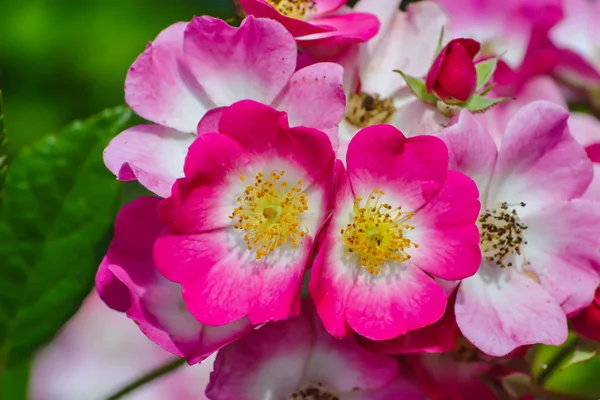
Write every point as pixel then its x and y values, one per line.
pixel 485 71
pixel 478 104
pixel 418 87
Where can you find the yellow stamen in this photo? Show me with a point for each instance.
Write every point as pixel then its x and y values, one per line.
pixel 376 233
pixel 269 213
pixel 298 9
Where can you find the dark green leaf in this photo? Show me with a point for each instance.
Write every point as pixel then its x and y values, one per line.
pixel 3 152
pixel 58 211
pixel 14 382
pixel 417 86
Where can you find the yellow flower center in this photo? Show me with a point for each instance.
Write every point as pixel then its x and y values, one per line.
pixel 314 391
pixel 376 233
pixel 298 9
pixel 365 110
pixel 269 213
pixel 501 233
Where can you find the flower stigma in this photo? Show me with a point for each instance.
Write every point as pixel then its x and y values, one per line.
pixel 376 233
pixel 365 110
pixel 269 213
pixel 501 233
pixel 314 391
pixel 298 9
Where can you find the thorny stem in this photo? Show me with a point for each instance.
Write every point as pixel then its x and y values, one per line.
pixel 142 380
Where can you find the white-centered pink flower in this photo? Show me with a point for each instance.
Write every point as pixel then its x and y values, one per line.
pixel 297 359
pixel 400 219
pixel 376 94
pixel 241 225
pixel 128 281
pixel 316 22
pixel 539 240
pixel 194 67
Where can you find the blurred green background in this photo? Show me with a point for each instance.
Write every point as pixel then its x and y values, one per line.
pixel 62 60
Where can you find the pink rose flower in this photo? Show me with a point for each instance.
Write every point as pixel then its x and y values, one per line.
pixel 538 238
pixel 128 281
pixel 241 225
pixel 191 68
pixel 298 359
pixel 452 77
pixel 316 22
pixel 400 219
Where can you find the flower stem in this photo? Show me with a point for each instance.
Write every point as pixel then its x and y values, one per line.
pixel 150 376
pixel 565 352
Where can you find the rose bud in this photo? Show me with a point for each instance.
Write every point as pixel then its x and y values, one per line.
pixel 453 77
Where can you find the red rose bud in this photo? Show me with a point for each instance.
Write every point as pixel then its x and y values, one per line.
pixel 453 77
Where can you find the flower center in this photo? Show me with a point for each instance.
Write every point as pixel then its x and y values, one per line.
pixel 313 392
pixel 298 9
pixel 269 213
pixel 501 233
pixel 365 110
pixel 376 233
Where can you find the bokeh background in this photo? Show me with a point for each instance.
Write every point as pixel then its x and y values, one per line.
pixel 62 60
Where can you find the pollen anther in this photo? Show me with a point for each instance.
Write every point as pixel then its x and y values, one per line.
pixel 501 233
pixel 298 9
pixel 269 212
pixel 376 232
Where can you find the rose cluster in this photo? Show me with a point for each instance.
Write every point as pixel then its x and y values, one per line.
pixel 350 205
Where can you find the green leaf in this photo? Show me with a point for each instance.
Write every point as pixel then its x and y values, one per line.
pixel 14 382
pixel 477 104
pixel 485 71
pixel 3 151
pixel 56 221
pixel 417 86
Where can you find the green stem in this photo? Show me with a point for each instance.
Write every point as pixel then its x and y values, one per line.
pixel 565 352
pixel 142 380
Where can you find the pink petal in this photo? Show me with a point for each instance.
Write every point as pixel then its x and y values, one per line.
pixel 282 275
pixel 220 283
pixel 267 363
pixel 500 309
pixel 343 29
pixel 413 169
pixel 314 97
pixel 343 364
pixel 445 378
pixel 253 61
pixel 385 11
pixel 210 189
pixel 471 150
pixel 416 117
pixel 327 6
pixel 562 247
pixel 539 161
pixel 265 132
pixel 210 121
pixel 400 299
pixel 438 337
pixel 261 9
pixel 158 87
pixel 156 305
pixel 403 387
pixel 330 280
pixel 152 154
pixel 446 233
